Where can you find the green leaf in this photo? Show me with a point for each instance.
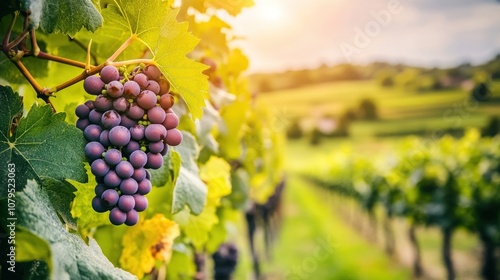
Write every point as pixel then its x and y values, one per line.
pixel 189 189
pixel 154 23
pixel 30 246
pixel 71 257
pixel 43 144
pixel 67 17
pixel 108 238
pixel 61 195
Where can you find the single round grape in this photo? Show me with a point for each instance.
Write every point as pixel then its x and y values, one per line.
pixel 146 99
pixel 131 147
pixel 114 89
pixel 112 179
pixel 92 132
pixel 141 202
pixel 155 132
pixel 144 187
pixel 104 138
pixel 82 124
pixel 117 217
pixel 95 117
pixel 141 80
pixel 165 149
pixel 110 197
pixel 119 136
pixel 93 85
pixel 131 89
pixel 152 72
pixel 139 174
pixel 98 205
pixel 99 189
pixel 164 86
pixel 153 86
pixel 174 137
pixel 171 121
pixel 156 115
pixel 121 105
pixel 132 218
pixel 99 168
pixel 127 122
pixel 166 101
pixel 109 73
pixel 82 111
pixel 156 147
pixel 110 119
pixel 93 150
pixel 113 157
pixel 137 132
pixel 124 169
pixel 135 111
pixel 129 186
pixel 126 203
pixel 138 159
pixel 102 103
pixel 155 161
pixel 90 104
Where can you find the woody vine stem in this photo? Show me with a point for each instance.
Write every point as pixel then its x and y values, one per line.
pixel 17 49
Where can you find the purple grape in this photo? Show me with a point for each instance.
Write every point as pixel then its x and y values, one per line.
pixel 99 189
pixel 121 105
pixel 138 159
pixel 103 103
pixel 119 136
pixel 156 115
pixel 98 205
pixel 156 147
pixel 99 168
pixel 89 104
pixel 92 132
pixel 152 72
pixel 117 217
pixel 131 89
pixel 112 179
pixel 155 132
pixel 82 124
pixel 135 111
pixel 126 203
pixel 146 99
pixel 139 174
pixel 129 186
pixel 171 121
pixel 127 122
pixel 144 187
pixel 113 157
pixel 124 169
pixel 148 175
pixel 93 85
pixel 141 202
pixel 94 150
pixel 166 101
pixel 155 161
pixel 95 117
pixel 109 73
pixel 114 89
pixel 131 147
pixel 82 111
pixel 104 138
pixel 110 119
pixel 164 86
pixel 141 80
pixel 174 137
pixel 132 218
pixel 165 149
pixel 137 132
pixel 153 86
pixel 110 197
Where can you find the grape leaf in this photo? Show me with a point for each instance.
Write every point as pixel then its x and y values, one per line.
pixel 61 195
pixel 154 23
pixel 147 242
pixel 189 189
pixel 197 228
pixel 71 257
pixel 67 17
pixel 216 174
pixel 43 144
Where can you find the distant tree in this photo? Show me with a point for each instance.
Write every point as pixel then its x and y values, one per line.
pixel 493 127
pixel 480 92
pixel 367 110
pixel 294 131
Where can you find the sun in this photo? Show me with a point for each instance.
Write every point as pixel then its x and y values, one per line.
pixel 272 13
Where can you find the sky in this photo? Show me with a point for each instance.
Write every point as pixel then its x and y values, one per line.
pixel 294 34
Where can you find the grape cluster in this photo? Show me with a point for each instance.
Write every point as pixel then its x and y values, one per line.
pixel 128 128
pixel 225 261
